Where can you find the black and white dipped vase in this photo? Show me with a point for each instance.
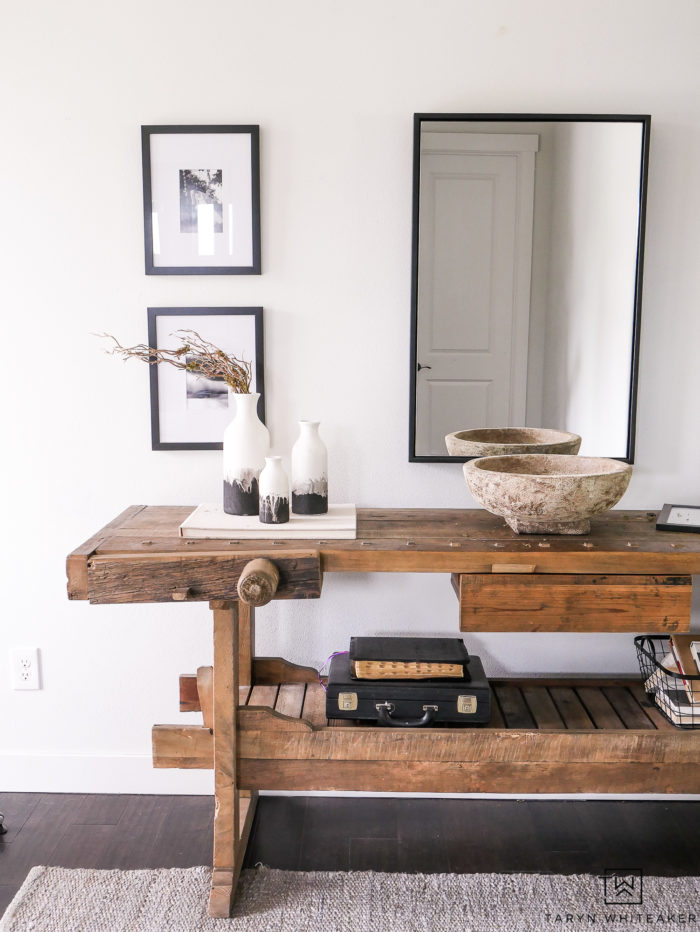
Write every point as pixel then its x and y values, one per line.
pixel 309 472
pixel 246 444
pixel 274 492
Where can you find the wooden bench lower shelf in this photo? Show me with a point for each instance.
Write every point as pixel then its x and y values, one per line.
pixel 545 736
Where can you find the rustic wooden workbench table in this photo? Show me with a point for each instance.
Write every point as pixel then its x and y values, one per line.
pixel 264 723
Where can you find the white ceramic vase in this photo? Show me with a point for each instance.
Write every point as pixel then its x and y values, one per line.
pixel 246 444
pixel 274 492
pixel 309 472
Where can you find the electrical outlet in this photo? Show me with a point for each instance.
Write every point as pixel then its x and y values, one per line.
pixel 24 664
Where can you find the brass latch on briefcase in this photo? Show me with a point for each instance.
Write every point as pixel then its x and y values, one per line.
pixel 466 704
pixel 347 701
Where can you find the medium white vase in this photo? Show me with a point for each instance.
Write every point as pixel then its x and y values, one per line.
pixel 274 492
pixel 309 472
pixel 246 444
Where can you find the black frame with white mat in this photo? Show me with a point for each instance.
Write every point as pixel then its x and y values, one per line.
pixel 174 422
pixel 201 199
pixel 679 518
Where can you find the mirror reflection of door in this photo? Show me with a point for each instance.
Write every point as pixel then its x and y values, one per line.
pixel 527 246
pixel 476 208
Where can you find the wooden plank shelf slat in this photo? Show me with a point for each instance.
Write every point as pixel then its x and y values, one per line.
pixel 571 708
pixel 598 708
pixel 290 699
pixel 263 696
pixel 542 707
pixel 514 707
pixel 628 708
pixel 314 709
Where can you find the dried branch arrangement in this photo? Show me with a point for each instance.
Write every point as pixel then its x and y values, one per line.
pixel 194 355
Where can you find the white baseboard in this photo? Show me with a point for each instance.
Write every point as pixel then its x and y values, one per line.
pixel 76 773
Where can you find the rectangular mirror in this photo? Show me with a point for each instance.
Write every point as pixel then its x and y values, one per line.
pixel 528 235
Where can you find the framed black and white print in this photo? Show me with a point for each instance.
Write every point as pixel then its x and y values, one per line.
pixel 189 412
pixel 201 199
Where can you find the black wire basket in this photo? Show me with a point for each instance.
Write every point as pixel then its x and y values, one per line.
pixel 664 685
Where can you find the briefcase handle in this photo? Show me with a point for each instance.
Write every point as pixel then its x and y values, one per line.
pixel 384 716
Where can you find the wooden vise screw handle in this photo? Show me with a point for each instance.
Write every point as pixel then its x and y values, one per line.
pixel 258 582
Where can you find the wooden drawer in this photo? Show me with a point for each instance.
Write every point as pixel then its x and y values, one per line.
pixel 170 577
pixel 580 602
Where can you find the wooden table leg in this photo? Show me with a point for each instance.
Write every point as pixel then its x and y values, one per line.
pixel 246 643
pixel 232 817
pixel 246 650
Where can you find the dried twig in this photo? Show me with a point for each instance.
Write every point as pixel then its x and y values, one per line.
pixel 194 355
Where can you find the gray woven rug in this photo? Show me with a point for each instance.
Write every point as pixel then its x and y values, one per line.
pixel 54 899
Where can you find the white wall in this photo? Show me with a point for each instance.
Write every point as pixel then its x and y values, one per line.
pixel 333 88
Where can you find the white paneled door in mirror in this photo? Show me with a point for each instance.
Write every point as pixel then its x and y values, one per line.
pixel 477 195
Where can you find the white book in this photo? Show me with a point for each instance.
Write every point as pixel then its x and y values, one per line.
pixel 210 522
pixel 695 651
pixel 658 679
pixel 674 702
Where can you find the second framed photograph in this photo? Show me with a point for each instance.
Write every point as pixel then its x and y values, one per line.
pixel 188 411
pixel 201 199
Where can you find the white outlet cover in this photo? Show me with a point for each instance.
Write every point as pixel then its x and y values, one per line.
pixel 24 667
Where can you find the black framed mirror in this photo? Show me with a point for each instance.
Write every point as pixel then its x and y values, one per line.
pixel 527 255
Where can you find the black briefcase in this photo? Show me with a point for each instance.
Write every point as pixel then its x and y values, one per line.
pixel 408 703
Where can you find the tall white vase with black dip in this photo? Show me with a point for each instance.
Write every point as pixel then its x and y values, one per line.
pixel 274 492
pixel 309 472
pixel 246 444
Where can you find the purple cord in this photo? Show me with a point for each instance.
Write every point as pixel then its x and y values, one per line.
pixel 327 661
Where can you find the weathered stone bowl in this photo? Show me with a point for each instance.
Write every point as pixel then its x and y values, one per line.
pixel 495 441
pixel 547 494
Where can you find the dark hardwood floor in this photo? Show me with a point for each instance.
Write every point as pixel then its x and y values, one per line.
pixel 316 833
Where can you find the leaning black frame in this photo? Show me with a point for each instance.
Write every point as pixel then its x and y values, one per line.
pixel 663 523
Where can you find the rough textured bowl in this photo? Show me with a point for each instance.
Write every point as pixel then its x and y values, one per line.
pixel 547 494
pixel 495 441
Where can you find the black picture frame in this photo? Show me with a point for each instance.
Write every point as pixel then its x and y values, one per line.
pixel 161 186
pixel 664 523
pixel 418 119
pixel 255 317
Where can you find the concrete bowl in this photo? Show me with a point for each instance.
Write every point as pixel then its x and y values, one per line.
pixel 546 493
pixel 496 441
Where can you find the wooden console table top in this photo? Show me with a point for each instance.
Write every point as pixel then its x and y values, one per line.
pixel 412 540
